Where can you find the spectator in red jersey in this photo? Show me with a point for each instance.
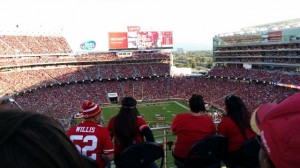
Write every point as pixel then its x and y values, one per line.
pixel 191 127
pixel 278 126
pixel 30 139
pixel 235 127
pixel 128 127
pixel 90 138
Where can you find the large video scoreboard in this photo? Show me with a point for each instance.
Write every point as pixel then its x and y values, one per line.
pixel 135 39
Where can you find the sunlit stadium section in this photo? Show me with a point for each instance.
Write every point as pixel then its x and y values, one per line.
pixel 272 48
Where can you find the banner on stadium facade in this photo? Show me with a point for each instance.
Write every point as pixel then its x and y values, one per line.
pixel 133 28
pixel 88 45
pixel 118 40
pixel 275 36
pixel 112 95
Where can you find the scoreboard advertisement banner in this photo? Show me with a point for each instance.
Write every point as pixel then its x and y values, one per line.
pixel 133 28
pixel 275 36
pixel 118 40
pixel 139 40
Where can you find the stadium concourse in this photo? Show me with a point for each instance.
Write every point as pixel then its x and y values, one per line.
pixel 49 79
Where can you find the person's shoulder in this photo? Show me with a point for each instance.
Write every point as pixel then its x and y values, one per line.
pixel 101 130
pixel 100 126
pixel 226 120
pixel 140 118
pixel 184 114
pixel 71 130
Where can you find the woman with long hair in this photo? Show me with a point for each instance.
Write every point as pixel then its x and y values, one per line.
pixel 128 127
pixel 235 127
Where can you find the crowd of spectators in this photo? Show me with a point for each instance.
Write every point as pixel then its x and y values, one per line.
pixel 34 59
pixel 255 74
pixel 64 106
pixel 19 80
pixel 115 79
pixel 19 44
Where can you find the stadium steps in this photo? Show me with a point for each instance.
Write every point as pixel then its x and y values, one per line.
pixel 152 70
pixel 26 49
pixel 137 72
pixel 98 71
pixel 52 78
pixel 122 89
pixel 9 48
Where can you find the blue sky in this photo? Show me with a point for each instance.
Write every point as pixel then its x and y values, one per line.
pixel 193 22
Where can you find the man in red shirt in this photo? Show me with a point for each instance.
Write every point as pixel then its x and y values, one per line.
pixel 90 138
pixel 191 127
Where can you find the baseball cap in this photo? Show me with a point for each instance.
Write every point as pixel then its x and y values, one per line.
pixel 90 109
pixel 279 128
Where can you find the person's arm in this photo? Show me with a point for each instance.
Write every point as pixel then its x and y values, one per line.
pixel 173 126
pixel 222 128
pixel 109 157
pixel 108 148
pixel 147 133
pixel 110 129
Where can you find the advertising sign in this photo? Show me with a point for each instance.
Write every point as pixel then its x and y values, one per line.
pixel 118 40
pixel 89 45
pixel 133 28
pixel 139 40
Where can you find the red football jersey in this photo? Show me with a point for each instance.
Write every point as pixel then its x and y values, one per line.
pixel 92 140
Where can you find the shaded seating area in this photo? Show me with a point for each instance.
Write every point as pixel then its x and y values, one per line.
pixel 141 155
pixel 247 155
pixel 206 153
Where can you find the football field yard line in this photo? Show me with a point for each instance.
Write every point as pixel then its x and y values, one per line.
pixel 181 105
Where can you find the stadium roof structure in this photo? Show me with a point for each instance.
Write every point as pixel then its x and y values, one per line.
pixel 293 23
pixel 252 30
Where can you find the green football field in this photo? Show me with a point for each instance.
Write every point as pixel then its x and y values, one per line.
pixel 149 111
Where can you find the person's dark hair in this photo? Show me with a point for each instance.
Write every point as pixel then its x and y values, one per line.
pixel 30 139
pixel 196 103
pixel 126 127
pixel 238 112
